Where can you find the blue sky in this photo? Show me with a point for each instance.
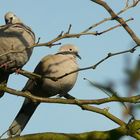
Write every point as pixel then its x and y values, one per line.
pixel 48 18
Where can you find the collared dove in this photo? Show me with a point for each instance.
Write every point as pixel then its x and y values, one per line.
pixel 15 37
pixel 50 66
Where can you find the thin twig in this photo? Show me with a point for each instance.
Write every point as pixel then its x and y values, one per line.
pixel 104 112
pixel 34 76
pixel 111 28
pixel 109 55
pixel 68 32
pixel 114 16
pixel 30 75
pixel 63 36
pixel 127 7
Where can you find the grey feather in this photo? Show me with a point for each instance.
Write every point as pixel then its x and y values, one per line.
pixel 15 38
pixel 50 66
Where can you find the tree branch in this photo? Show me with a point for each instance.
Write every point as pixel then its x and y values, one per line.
pixel 132 99
pixel 35 76
pixel 131 129
pixel 109 55
pixel 127 7
pixel 113 134
pixel 74 102
pixel 114 16
pixel 64 36
pixel 80 103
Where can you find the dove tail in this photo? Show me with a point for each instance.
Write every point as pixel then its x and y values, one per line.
pixel 3 80
pixel 22 117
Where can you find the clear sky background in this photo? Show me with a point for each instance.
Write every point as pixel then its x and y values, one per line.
pixel 48 18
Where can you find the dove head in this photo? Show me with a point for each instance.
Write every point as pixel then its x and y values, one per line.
pixel 69 49
pixel 11 18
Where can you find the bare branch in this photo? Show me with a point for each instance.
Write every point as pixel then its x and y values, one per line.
pixel 119 19
pixel 111 28
pixel 104 112
pixel 96 135
pixel 80 103
pixel 51 43
pixel 126 3
pixel 131 129
pixel 127 7
pixel 30 75
pixel 109 55
pixel 27 94
pixel 85 32
pixel 68 32
pixel 132 99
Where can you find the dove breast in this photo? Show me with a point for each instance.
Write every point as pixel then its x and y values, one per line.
pixel 55 66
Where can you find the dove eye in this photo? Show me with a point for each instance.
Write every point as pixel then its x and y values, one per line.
pixel 11 18
pixel 70 50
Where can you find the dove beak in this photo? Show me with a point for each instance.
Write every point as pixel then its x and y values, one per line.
pixel 78 56
pixel 6 21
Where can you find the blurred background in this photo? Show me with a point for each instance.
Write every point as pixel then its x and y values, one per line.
pixel 48 18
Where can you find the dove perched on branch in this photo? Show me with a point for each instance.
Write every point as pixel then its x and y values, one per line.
pixel 15 38
pixel 55 65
